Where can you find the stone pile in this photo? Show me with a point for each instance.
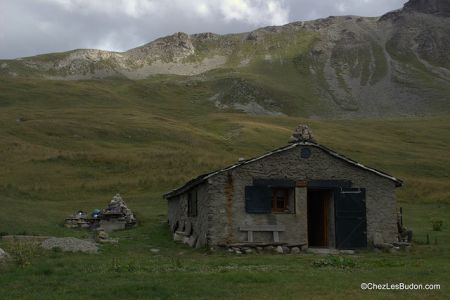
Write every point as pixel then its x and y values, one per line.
pixel 117 206
pixel 302 133
pixel 115 216
pixel 77 220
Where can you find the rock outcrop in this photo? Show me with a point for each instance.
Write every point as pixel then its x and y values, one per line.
pixel 435 7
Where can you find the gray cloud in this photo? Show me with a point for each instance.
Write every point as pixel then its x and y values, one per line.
pixel 30 27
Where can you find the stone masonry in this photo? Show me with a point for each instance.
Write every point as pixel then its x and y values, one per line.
pixel 221 199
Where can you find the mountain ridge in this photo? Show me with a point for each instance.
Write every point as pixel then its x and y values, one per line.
pixel 398 64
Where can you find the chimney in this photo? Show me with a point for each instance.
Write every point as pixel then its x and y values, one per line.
pixel 302 134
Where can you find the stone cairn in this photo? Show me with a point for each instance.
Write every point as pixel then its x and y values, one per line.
pixel 118 208
pixel 302 133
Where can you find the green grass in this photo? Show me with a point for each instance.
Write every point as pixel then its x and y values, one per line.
pixel 77 143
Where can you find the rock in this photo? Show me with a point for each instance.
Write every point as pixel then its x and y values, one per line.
pixel 378 241
pixel 230 250
pixel 154 250
pixel 285 249
pixel 238 252
pixel 393 249
pixel 248 251
pixel 269 248
pixel 295 250
pixel 69 244
pixel 3 254
pixel 279 249
pixel 347 251
pixel 302 133
pixel 102 235
pixel 191 240
pixel 177 237
pixel 185 239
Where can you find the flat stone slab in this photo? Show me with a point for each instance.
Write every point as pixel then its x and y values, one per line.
pixel 70 244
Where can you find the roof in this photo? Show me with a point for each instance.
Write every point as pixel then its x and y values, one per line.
pixel 200 179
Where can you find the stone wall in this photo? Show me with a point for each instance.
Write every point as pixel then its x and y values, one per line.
pixel 192 226
pixel 226 193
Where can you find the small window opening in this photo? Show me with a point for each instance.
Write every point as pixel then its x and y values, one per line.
pixel 192 204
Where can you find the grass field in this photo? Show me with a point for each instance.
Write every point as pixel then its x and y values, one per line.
pixel 69 145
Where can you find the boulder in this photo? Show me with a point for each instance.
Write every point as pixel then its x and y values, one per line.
pixel 295 250
pixel 279 249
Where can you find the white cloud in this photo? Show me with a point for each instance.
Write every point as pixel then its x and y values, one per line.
pixel 341 7
pixel 131 8
pixel 255 11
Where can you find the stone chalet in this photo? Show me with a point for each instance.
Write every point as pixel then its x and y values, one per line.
pixel 301 194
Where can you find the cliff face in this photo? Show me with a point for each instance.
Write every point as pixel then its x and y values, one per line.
pixel 338 66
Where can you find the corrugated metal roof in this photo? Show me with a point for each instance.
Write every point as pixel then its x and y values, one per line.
pixel 196 181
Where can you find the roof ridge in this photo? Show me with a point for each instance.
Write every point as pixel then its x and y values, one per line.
pixel 201 178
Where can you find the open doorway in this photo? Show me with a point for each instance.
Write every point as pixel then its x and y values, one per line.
pixel 320 218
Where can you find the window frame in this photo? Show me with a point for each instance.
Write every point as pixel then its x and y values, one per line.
pixel 287 208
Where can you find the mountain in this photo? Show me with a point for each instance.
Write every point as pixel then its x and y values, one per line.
pixel 348 66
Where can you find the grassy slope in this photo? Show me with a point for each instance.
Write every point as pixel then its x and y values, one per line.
pixel 80 142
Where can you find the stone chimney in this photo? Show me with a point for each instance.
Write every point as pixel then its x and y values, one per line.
pixel 302 134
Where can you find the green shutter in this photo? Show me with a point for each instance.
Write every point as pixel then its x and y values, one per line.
pixel 258 199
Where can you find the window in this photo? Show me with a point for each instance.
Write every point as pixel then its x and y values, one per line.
pixel 192 204
pixel 270 196
pixel 280 199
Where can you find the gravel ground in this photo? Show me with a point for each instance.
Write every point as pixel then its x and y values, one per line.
pixel 70 244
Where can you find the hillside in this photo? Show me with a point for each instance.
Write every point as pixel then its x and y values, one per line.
pixel 70 145
pixel 394 65
pixel 78 127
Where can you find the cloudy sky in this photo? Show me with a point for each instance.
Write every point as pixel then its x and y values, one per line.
pixel 30 27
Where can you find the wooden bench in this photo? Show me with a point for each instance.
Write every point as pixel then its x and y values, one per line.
pixel 275 229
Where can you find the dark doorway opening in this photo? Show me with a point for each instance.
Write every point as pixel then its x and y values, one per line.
pixel 320 218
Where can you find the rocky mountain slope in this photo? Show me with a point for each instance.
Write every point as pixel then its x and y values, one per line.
pixel 397 64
